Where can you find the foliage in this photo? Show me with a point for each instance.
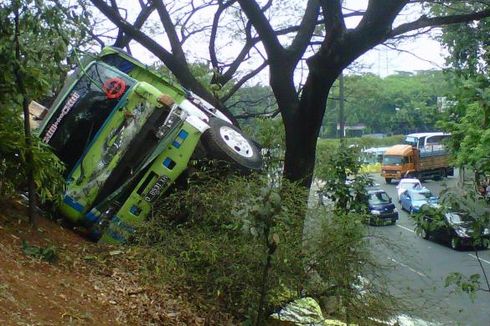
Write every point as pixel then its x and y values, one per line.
pixel 467 44
pixel 401 103
pixel 251 101
pixel 339 252
pixel 362 142
pixel 215 237
pixel 468 121
pixel 468 118
pixel 43 46
pixel 436 216
pixel 341 258
pixel 48 174
pixel 43 253
pixel 468 285
pixel 344 184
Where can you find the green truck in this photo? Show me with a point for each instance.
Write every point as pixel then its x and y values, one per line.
pixel 125 133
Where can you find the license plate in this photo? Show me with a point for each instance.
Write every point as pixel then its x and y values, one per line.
pixel 157 188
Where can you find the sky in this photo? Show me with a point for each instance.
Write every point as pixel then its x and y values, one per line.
pixel 422 53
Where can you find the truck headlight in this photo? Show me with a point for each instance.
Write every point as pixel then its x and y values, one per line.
pixel 395 210
pixel 375 212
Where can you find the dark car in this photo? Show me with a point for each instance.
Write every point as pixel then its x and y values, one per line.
pixel 456 228
pixel 381 208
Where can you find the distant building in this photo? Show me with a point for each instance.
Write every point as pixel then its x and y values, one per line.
pixel 443 103
pixel 375 135
pixel 352 131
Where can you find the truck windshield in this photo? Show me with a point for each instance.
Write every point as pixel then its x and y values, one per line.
pixel 83 111
pixel 394 160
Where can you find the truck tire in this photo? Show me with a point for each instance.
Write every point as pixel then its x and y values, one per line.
pixel 388 181
pixel 224 141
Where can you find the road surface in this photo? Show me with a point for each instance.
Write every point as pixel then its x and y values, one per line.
pixel 417 269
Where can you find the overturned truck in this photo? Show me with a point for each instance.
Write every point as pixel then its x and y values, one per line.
pixel 125 133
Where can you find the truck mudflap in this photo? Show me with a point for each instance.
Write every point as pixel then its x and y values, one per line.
pixel 161 174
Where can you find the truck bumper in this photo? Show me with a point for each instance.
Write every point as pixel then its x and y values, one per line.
pixel 391 175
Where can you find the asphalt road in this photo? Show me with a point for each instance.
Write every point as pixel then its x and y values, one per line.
pixel 417 268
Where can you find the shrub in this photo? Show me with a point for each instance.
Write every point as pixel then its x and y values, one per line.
pixel 345 270
pixel 215 238
pixel 13 166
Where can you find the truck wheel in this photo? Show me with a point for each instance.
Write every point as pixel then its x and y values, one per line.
pixel 224 141
pixel 388 181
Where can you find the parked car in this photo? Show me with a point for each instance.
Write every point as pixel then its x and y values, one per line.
pixel 408 183
pixel 413 199
pixel 381 207
pixel 456 228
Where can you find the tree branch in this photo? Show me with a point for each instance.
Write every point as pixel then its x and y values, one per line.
pixel 243 80
pixel 332 11
pixel 425 21
pixel 169 27
pixel 122 39
pixel 305 31
pixel 273 47
pixel 240 58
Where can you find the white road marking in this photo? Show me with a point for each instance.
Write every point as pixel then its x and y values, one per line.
pixel 405 228
pixel 483 260
pixel 406 266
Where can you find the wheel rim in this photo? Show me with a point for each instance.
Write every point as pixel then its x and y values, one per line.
pixel 236 141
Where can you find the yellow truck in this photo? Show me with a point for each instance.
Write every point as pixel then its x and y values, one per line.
pixel 416 160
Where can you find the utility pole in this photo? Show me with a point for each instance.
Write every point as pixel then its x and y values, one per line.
pixel 341 118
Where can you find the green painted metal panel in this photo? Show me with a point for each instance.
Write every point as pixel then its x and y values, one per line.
pixel 162 173
pixel 108 147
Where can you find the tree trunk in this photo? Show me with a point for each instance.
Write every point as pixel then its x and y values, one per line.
pixel 302 129
pixel 19 78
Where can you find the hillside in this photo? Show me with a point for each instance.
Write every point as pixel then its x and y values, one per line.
pixel 85 284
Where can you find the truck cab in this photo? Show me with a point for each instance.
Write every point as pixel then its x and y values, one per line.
pixel 397 161
pixel 125 133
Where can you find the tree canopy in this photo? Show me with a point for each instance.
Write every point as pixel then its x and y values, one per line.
pixel 34 42
pixel 314 32
pixel 469 117
pixel 400 103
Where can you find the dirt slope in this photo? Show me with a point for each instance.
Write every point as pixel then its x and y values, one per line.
pixel 88 284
